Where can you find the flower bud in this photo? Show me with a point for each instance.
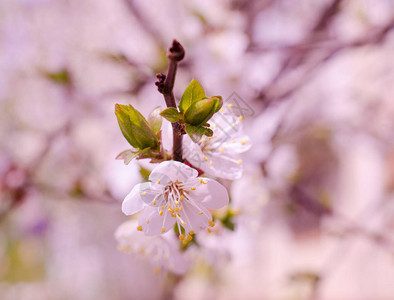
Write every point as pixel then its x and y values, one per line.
pixel 135 128
pixel 200 111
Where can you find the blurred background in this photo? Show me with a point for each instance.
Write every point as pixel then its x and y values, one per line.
pixel 315 204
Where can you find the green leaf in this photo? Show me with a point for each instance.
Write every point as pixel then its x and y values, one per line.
pixel 135 128
pixel 195 132
pixel 171 114
pixel 123 116
pixel 219 103
pixel 200 111
pixel 227 221
pixel 144 173
pixel 155 120
pixel 208 131
pixel 127 156
pixel 62 77
pixel 193 92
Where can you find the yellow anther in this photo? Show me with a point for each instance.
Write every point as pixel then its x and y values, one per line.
pixel 158 181
pixel 230 105
pixel 176 209
pixel 240 118
pixel 203 140
pixel 185 242
pixel 189 238
pixel 143 194
pixel 173 215
pixel 200 213
pixel 221 110
pixel 193 188
pixel 161 213
pixel 191 232
pixel 244 142
pixel 181 197
pixel 147 221
pixel 209 230
pixel 211 223
pixel 139 228
pixel 170 209
pixel 222 149
pixel 202 181
pixel 205 158
pixel 211 163
pixel 163 230
pixel 181 237
pixel 154 202
pixel 176 202
pixel 239 161
pixel 162 207
pixel 180 208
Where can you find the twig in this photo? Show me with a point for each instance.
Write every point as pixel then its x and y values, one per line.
pixel 165 85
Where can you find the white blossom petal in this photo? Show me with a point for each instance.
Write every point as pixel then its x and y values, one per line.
pixel 134 201
pixel 172 171
pixel 195 220
pixel 223 166
pixel 153 223
pixel 162 251
pixel 236 145
pixel 210 193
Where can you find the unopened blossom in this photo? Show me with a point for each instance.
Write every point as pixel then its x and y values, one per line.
pixel 218 155
pixel 162 251
pixel 175 195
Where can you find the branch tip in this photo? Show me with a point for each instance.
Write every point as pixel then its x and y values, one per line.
pixel 176 51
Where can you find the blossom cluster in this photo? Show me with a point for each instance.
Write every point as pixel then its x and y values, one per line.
pixel 179 198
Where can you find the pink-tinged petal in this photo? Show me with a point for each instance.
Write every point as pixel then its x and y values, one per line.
pixel 134 201
pixel 152 223
pixel 210 193
pixel 223 166
pixel 194 219
pixel 125 232
pixel 226 124
pixel 237 145
pixel 192 152
pixel 172 171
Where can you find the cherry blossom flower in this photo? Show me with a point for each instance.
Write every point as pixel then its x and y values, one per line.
pixel 162 251
pixel 216 155
pixel 175 195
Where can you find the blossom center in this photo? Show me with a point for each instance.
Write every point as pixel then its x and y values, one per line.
pixel 174 194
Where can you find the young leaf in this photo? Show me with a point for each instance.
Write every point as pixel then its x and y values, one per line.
pixel 122 114
pixel 135 128
pixel 200 111
pixel 193 92
pixel 127 156
pixel 208 132
pixel 171 114
pixel 219 103
pixel 154 119
pixel 195 132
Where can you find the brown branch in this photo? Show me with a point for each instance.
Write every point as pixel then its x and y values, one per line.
pixel 165 85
